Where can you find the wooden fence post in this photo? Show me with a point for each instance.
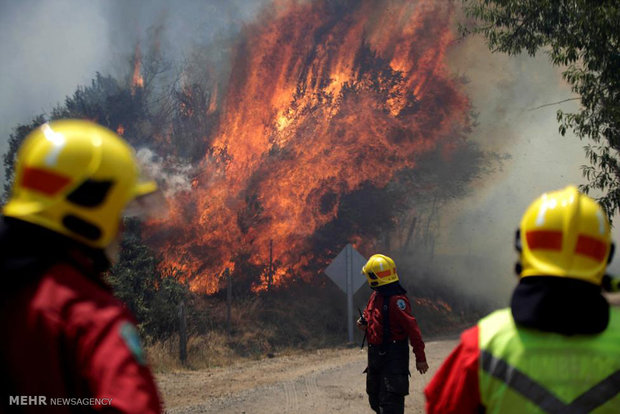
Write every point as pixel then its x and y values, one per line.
pixel 228 300
pixel 270 271
pixel 182 333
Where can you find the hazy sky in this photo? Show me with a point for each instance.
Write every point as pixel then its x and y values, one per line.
pixel 44 58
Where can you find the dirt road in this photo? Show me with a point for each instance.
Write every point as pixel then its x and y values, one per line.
pixel 326 381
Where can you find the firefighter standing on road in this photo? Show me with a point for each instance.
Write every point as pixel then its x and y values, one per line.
pixel 66 338
pixel 389 325
pixel 557 348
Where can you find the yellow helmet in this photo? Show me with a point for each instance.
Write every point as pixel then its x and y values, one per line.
pixel 565 234
pixel 380 270
pixel 75 177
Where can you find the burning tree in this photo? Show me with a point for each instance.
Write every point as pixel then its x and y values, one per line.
pixel 330 111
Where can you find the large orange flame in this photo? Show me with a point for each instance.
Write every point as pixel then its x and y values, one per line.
pixel 322 99
pixel 137 81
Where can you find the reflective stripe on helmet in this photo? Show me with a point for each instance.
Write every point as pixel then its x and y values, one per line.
pixel 385 273
pixel 591 247
pixel 43 181
pixel 544 239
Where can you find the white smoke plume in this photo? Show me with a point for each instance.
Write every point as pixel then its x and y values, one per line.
pixel 171 175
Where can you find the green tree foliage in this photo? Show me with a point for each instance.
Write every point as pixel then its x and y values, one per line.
pixel 15 140
pixel 110 103
pixel 152 296
pixel 583 37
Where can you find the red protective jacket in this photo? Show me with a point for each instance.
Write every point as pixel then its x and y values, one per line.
pixel 402 323
pixel 66 336
pixel 454 388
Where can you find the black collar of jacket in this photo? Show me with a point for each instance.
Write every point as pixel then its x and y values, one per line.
pixel 391 289
pixel 27 250
pixel 558 304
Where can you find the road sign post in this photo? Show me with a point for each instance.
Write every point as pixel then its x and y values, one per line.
pixel 344 271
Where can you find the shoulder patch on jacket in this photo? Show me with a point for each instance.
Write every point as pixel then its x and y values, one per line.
pixel 401 304
pixel 129 333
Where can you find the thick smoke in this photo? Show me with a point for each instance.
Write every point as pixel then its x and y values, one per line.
pixel 178 27
pixel 475 249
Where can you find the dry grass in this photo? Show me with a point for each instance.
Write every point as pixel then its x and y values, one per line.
pixel 280 323
pixel 209 350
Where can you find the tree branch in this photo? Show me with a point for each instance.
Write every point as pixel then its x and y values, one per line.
pixel 554 103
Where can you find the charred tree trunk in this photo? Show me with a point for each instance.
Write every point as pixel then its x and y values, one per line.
pixel 409 234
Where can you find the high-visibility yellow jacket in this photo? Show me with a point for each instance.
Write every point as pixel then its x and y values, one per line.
pixel 499 368
pixel 528 371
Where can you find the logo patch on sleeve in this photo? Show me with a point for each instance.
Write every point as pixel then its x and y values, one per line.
pixel 131 338
pixel 401 304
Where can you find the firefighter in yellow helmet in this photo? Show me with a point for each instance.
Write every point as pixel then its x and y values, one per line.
pixel 389 327
pixel 65 335
pixel 557 348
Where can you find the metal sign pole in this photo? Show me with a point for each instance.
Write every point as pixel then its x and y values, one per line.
pixel 344 271
pixel 349 253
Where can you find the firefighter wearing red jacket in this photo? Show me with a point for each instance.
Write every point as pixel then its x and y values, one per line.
pixel 555 350
pixel 389 326
pixel 69 345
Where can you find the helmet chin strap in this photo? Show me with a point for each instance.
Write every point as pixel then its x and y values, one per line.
pixel 518 266
pixel 518 269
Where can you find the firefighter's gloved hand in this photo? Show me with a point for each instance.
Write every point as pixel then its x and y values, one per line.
pixel 422 367
pixel 361 324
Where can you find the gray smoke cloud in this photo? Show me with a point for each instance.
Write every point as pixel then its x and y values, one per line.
pixel 49 47
pixel 474 250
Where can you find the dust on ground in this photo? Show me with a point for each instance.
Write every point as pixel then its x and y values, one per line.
pixel 317 382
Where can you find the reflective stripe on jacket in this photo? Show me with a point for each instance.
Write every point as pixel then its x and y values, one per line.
pixel 523 370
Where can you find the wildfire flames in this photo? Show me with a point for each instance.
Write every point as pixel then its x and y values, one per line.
pixel 137 81
pixel 322 100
